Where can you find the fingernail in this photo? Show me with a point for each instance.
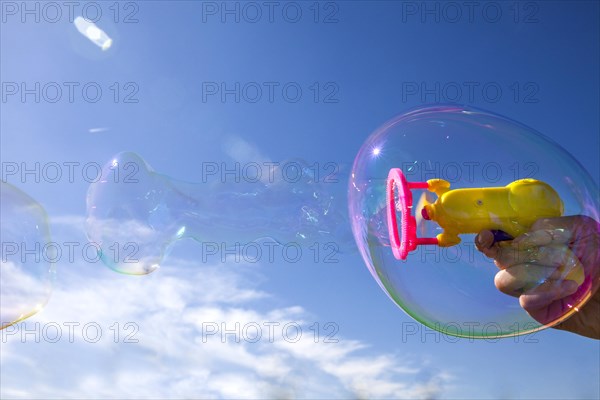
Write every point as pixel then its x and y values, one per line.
pixel 569 286
pixel 484 240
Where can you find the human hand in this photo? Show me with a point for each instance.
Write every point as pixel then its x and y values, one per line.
pixel 545 268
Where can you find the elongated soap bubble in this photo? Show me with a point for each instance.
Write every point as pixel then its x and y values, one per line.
pixel 135 215
pixel 26 270
pixel 426 182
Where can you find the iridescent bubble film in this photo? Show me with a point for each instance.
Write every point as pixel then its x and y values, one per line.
pixel 520 184
pixel 135 215
pixel 26 270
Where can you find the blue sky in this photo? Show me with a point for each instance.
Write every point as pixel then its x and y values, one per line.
pixel 544 56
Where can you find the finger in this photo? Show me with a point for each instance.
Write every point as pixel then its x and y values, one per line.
pixel 568 265
pixel 523 271
pixel 484 242
pixel 520 278
pixel 578 225
pixel 508 256
pixel 544 294
pixel 542 237
pixel 565 264
pixel 551 256
pixel 568 222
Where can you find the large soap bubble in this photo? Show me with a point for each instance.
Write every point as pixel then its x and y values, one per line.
pixel 135 215
pixel 26 270
pixel 426 182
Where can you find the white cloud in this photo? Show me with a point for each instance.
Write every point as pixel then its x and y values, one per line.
pixel 242 151
pixel 176 317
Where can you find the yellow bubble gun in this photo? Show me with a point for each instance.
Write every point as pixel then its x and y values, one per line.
pixel 509 211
